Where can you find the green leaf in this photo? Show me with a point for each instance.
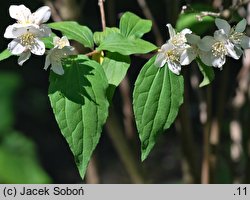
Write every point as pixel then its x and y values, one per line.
pixel 157 96
pixel 74 82
pixel 18 161
pixel 115 66
pixel 48 41
pixel 5 54
pixel 133 26
pixel 80 105
pixel 126 46
pixel 100 36
pixel 207 72
pixel 75 31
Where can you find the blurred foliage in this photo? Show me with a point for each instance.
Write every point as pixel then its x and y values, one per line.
pixel 18 158
pixel 18 161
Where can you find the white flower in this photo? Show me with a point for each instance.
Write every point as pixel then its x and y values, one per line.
pixel 235 35
pixel 194 51
pixel 27 31
pixel 26 41
pixel 26 19
pixel 217 48
pixel 24 16
pixel 175 52
pixel 61 50
pixel 171 55
pixel 178 39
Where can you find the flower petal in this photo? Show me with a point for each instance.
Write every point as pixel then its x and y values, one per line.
pixel 241 26
pixel 9 32
pixel 44 31
pixel 56 39
pixel 68 50
pixel 42 15
pixel 24 57
pixel 174 67
pixel 206 43
pixel 206 57
pixel 65 40
pixel 57 68
pixel 223 24
pixel 245 42
pixel 160 60
pixel 239 51
pixel 188 56
pixel 231 51
pixel 171 30
pixel 15 47
pixel 166 47
pixel 218 61
pixel 193 39
pixel 186 31
pixel 47 61
pixel 20 13
pixel 38 48
pixel 220 35
pixel 15 30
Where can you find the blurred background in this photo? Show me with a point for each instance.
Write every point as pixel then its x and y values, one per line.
pixel 209 142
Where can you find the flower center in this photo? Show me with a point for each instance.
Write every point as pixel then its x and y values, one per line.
pixel 219 49
pixel 178 40
pixel 172 55
pixel 61 43
pixel 236 37
pixel 27 39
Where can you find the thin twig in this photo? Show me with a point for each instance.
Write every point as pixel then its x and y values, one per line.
pixel 226 13
pixel 189 149
pixel 128 118
pixel 203 14
pixel 102 12
pixel 92 53
pixel 215 133
pixel 146 11
pixel 205 171
pixel 115 131
pixel 92 176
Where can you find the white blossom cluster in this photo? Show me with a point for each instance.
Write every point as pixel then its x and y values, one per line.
pixel 182 48
pixel 27 34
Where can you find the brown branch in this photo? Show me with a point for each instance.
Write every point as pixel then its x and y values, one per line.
pixel 128 118
pixel 92 176
pixel 205 171
pixel 92 53
pixel 146 11
pixel 102 12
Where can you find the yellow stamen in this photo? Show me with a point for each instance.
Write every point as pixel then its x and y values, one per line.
pixel 172 55
pixel 219 49
pixel 27 39
pixel 236 37
pixel 179 39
